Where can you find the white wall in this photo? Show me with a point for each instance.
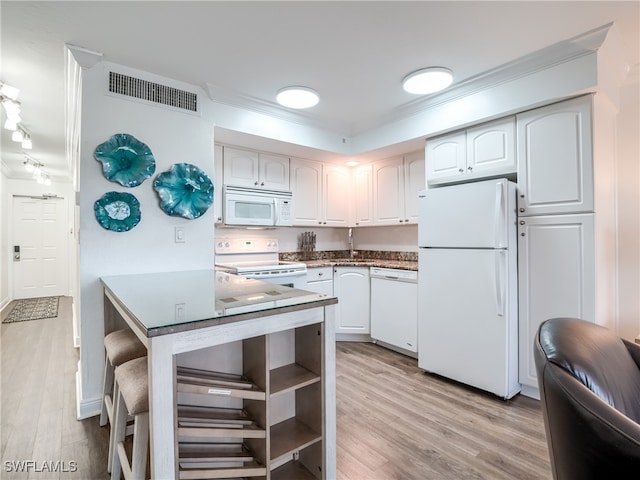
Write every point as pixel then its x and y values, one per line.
pixel 5 247
pixel 628 206
pixel 173 137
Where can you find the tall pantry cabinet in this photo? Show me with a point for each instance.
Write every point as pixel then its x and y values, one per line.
pixel 565 208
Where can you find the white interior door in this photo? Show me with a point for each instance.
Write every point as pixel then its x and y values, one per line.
pixel 39 233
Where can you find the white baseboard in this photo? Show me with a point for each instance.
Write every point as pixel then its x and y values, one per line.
pixel 530 392
pixel 353 337
pixel 86 408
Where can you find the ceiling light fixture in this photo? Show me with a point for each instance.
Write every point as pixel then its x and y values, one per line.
pixel 9 91
pixel 427 80
pixel 36 169
pixel 351 163
pixel 297 97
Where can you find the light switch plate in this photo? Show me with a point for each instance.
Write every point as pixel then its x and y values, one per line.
pixel 179 235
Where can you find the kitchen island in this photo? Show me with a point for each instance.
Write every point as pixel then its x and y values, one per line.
pixel 277 340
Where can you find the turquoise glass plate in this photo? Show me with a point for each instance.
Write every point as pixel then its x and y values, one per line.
pixel 125 160
pixel 184 191
pixel 117 211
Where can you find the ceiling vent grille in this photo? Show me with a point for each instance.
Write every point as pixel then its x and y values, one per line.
pixel 152 92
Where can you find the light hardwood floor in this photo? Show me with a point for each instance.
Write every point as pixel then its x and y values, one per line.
pixel 394 421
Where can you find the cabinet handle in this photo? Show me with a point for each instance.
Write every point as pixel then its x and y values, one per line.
pixel 469 168
pixel 461 170
pixel 262 184
pixel 522 210
pixel 521 222
pixel 401 220
pixel 320 274
pixel 255 183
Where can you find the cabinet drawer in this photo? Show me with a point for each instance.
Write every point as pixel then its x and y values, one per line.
pixel 319 273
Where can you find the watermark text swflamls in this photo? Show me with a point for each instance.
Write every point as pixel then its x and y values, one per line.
pixel 25 466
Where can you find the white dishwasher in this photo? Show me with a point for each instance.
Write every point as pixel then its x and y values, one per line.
pixel 394 307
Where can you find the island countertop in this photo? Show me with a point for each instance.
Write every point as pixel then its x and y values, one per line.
pixel 170 302
pixel 239 326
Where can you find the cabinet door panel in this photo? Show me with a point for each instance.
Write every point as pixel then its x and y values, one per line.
pixel 491 148
pixel 446 158
pixel 351 286
pixel 363 196
pixel 555 170
pixel 414 181
pixel 388 191
pixel 240 167
pixel 337 191
pixel 274 172
pixel 306 186
pixel 556 277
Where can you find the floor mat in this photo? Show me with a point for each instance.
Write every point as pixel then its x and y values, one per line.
pixel 33 309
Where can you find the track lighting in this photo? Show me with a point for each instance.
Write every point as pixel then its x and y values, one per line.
pixel 17 135
pixel 35 168
pixel 12 108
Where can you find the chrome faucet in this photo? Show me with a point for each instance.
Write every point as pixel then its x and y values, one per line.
pixel 351 243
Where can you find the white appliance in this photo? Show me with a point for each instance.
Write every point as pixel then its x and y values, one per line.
pixel 258 258
pixel 467 282
pixel 252 207
pixel 395 323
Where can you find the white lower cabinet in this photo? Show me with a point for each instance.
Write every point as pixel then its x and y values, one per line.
pixel 351 286
pixel 556 277
pixel 320 280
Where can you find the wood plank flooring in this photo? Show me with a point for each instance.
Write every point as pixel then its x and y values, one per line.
pixel 394 421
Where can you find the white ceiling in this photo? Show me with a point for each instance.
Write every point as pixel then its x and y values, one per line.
pixel 353 53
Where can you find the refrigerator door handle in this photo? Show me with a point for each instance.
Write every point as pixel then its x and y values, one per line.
pixel 499 220
pixel 500 286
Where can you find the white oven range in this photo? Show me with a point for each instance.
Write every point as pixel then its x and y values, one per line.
pixel 258 258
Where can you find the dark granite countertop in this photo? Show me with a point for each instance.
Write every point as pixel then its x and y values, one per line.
pixel 362 258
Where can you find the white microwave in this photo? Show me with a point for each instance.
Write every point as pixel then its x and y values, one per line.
pixel 260 208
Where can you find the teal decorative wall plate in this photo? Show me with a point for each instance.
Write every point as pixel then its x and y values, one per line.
pixel 117 211
pixel 184 191
pixel 125 160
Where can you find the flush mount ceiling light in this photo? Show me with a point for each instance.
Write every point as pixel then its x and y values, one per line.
pixel 427 80
pixel 297 97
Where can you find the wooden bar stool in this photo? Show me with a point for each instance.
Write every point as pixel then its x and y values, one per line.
pixel 131 398
pixel 120 346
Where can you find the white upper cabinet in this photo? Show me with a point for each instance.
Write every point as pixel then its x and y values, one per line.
pixel 396 182
pixel 487 150
pixel 413 183
pixel 321 194
pixel 388 191
pixel 363 196
pixel 306 187
pixel 491 148
pixel 336 201
pixel 446 158
pixel 555 170
pixel 247 168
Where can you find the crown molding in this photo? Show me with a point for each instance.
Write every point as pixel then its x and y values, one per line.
pixel 86 58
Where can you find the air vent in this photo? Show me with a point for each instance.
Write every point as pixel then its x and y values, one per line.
pixel 152 92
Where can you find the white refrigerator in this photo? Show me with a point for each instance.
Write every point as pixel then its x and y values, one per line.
pixel 467 285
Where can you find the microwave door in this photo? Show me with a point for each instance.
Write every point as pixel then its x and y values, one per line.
pixel 256 212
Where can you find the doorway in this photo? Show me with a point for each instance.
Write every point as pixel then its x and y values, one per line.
pixel 40 247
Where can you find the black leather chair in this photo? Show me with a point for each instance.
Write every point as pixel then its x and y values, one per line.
pixel 589 381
